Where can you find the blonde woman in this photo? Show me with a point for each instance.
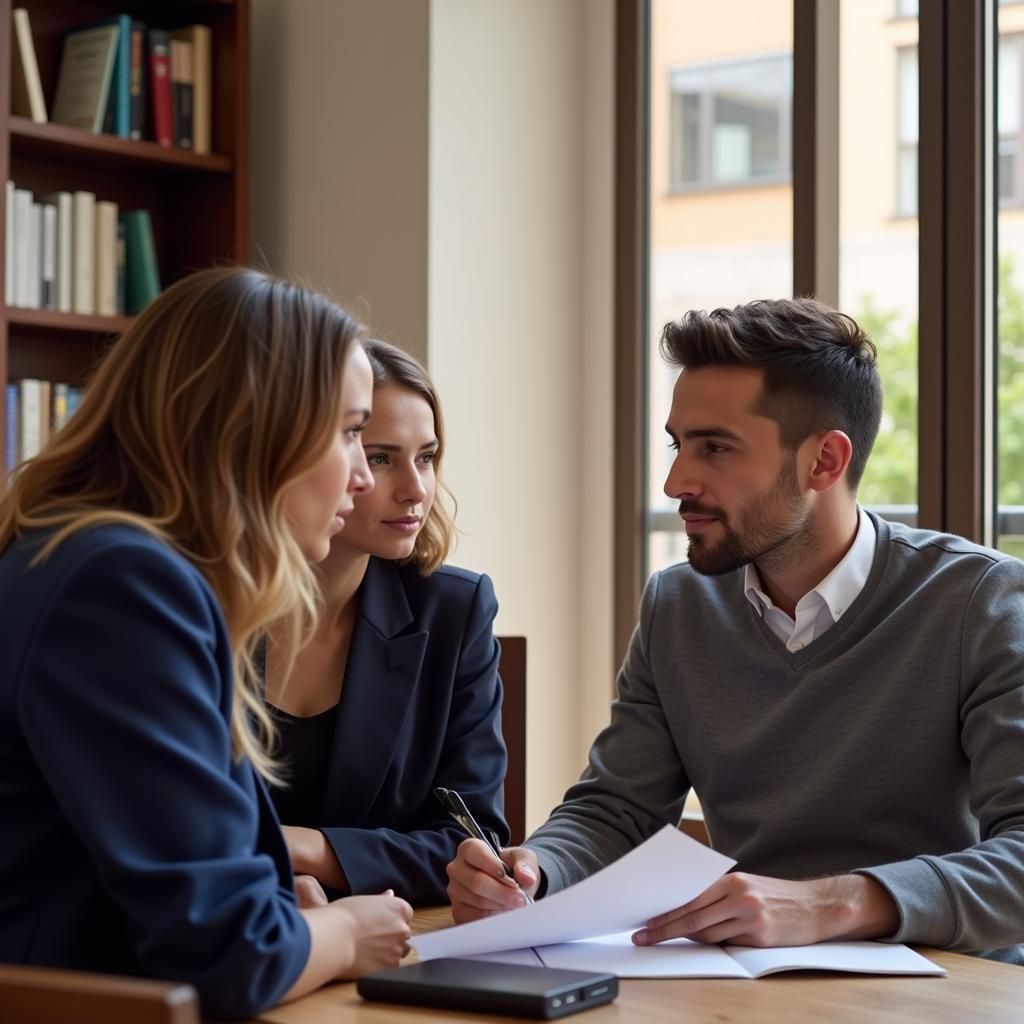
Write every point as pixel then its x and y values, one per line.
pixel 142 554
pixel 398 691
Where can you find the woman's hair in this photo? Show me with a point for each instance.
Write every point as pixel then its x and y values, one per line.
pixel 393 366
pixel 222 394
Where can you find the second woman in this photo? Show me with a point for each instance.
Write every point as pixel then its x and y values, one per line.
pixel 398 691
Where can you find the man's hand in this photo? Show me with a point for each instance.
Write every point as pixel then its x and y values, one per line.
pixel 311 854
pixel 750 910
pixel 478 885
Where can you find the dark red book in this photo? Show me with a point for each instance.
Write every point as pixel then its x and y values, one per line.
pixel 160 86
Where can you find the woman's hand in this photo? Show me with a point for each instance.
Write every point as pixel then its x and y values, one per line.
pixel 311 854
pixel 309 892
pixel 478 885
pixel 380 931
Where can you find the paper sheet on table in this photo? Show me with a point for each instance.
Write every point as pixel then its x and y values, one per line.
pixel 665 872
pixel 681 958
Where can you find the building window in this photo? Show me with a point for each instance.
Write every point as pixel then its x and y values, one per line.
pixel 1010 172
pixel 906 172
pixel 731 123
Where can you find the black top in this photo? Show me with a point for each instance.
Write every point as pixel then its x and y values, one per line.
pixel 305 746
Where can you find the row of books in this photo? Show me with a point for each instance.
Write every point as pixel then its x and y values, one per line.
pixel 74 253
pixel 119 76
pixel 35 410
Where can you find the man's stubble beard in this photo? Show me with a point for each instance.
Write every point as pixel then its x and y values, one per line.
pixel 775 531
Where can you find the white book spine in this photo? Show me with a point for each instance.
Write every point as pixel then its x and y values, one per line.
pixel 106 258
pixel 35 255
pixel 31 401
pixel 48 298
pixel 82 292
pixel 22 242
pixel 9 245
pixel 65 248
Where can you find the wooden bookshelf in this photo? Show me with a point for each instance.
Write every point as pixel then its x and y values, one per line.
pixel 198 203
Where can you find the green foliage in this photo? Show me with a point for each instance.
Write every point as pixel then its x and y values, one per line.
pixel 891 475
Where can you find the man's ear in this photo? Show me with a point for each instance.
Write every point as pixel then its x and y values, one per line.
pixel 830 458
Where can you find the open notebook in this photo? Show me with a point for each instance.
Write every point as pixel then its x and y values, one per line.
pixel 681 958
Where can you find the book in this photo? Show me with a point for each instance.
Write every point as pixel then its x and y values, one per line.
pixel 22 246
pixel 26 88
pixel 30 397
pixel 83 82
pixel 117 120
pixel 137 81
pixel 34 270
pixel 45 419
pixel 201 41
pixel 160 86
pixel 48 275
pixel 105 258
pixel 181 91
pixel 63 203
pixel 9 244
pixel 11 455
pixel 60 405
pixel 122 250
pixel 83 232
pixel 142 278
pixel 681 958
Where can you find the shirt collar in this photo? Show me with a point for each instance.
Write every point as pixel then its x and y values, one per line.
pixel 840 588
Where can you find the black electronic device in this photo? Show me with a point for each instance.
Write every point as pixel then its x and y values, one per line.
pixel 516 989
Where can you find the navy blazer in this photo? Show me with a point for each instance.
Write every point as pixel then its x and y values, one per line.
pixel 131 841
pixel 420 707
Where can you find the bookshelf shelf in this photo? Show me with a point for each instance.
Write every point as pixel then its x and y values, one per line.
pixel 48 321
pixel 198 204
pixel 33 141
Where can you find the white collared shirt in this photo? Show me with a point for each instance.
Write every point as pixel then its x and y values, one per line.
pixel 825 604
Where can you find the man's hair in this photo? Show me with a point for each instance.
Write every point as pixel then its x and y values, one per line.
pixel 820 368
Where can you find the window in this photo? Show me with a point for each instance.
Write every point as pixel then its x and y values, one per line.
pixel 1010 172
pixel 730 123
pixel 906 173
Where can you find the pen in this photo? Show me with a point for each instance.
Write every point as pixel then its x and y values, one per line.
pixel 456 807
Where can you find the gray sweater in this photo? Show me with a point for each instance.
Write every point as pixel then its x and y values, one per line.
pixel 892 745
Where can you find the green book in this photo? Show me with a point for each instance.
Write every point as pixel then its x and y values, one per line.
pixel 142 278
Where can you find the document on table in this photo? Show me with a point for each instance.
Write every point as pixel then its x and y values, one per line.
pixel 681 958
pixel 663 873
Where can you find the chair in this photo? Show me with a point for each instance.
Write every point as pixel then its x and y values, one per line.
pixel 512 668
pixel 41 995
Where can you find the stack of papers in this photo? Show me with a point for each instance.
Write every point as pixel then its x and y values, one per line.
pixel 588 926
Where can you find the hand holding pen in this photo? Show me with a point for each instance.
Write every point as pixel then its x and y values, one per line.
pixel 477 887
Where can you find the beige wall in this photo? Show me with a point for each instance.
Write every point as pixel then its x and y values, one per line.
pixel 485 245
pixel 339 153
pixel 520 339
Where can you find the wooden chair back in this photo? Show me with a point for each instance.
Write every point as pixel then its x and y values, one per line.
pixel 42 995
pixel 512 668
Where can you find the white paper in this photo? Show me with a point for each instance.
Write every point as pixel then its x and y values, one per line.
pixel 668 870
pixel 859 957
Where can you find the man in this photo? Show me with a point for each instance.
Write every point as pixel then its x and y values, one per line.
pixel 845 694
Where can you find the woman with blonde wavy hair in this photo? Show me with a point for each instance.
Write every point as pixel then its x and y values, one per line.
pixel 143 554
pixel 398 690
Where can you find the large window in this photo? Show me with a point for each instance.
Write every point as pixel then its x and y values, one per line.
pixel 731 122
pixel 895 206
pixel 1010 166
pixel 720 115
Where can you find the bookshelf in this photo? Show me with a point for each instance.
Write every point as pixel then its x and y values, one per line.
pixel 198 203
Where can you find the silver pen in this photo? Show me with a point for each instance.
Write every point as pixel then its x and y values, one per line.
pixel 457 809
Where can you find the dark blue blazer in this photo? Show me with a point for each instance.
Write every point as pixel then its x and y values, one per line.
pixel 131 841
pixel 420 707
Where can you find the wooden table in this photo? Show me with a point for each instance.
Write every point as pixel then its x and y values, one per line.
pixel 974 990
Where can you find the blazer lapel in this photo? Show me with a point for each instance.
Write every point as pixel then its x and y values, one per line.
pixel 381 675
